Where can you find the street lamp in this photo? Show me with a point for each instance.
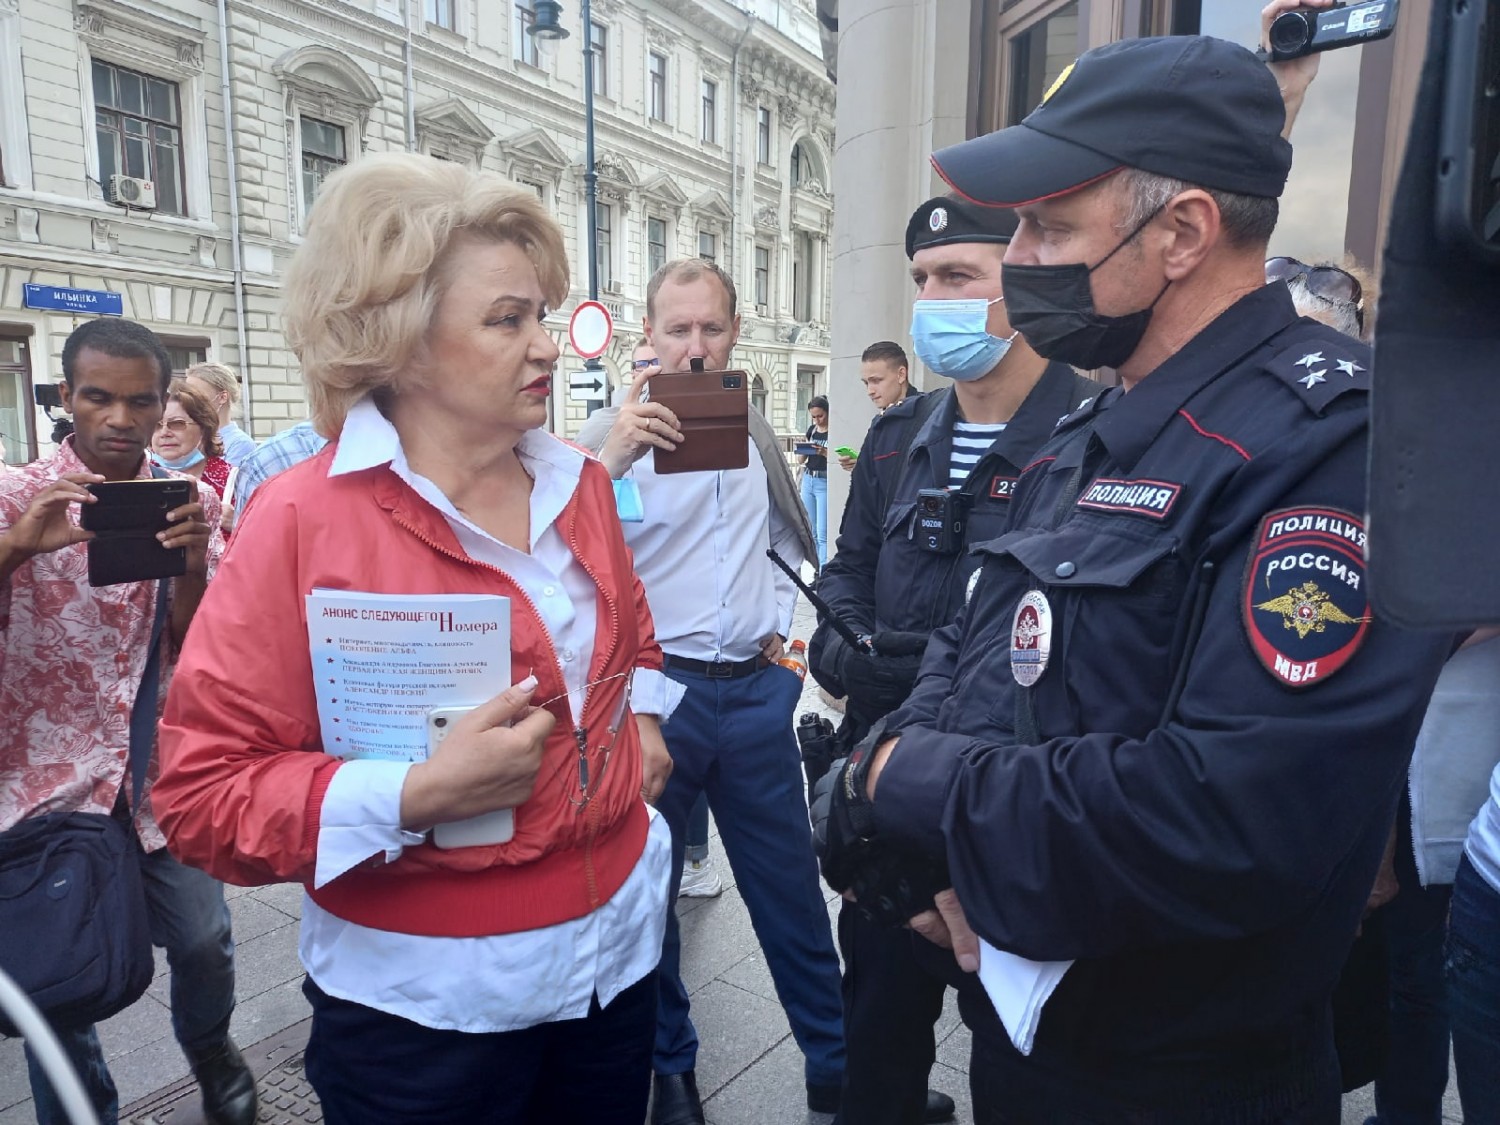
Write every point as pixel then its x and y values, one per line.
pixel 547 25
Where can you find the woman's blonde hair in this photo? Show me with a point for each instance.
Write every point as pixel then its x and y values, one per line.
pixel 219 376
pixel 201 413
pixel 362 288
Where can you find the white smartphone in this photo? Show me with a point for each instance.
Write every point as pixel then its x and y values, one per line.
pixel 487 828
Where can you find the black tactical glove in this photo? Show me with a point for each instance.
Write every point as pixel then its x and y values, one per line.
pixel 891 883
pixel 879 682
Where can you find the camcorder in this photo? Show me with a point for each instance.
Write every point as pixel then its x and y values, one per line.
pixel 940 520
pixel 1309 30
pixel 49 398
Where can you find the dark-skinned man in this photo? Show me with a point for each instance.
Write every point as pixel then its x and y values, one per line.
pixel 1152 766
pixel 74 658
pixel 963 446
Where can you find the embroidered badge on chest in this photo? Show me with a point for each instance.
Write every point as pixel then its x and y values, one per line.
pixel 1305 604
pixel 1031 638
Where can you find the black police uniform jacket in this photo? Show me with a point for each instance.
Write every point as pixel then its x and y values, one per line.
pixel 879 579
pixel 1221 732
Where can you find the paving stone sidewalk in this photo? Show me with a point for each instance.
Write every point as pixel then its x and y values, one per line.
pixel 749 1068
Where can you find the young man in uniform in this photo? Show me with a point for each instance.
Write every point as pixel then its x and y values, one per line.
pixel 961 447
pixel 1161 749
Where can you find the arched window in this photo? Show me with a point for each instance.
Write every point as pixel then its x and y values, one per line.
pixel 758 394
pixel 799 165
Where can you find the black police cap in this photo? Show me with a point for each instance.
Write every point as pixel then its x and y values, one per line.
pixel 1189 107
pixel 947 219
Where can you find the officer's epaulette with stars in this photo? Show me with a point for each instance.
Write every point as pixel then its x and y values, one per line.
pixel 1085 408
pixel 1319 371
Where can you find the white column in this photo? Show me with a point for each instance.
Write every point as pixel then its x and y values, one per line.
pixel 903 91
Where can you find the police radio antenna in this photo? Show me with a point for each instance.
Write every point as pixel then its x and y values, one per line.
pixel 835 622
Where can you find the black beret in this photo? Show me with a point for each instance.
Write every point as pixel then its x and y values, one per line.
pixel 947 219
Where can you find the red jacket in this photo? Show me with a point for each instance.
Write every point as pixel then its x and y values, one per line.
pixel 243 772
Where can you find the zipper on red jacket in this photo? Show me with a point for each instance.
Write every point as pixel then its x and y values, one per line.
pixel 591 829
pixel 580 731
pixel 524 597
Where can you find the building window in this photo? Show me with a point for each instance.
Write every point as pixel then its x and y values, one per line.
pixel 802 299
pixel 138 125
pixel 710 112
pixel 441 13
pixel 762 277
pixel 323 153
pixel 656 244
pixel 15 137
pixel 657 101
pixel 807 387
pixel 800 166
pixel 1037 56
pixel 526 49
pixel 758 394
pixel 17 416
pixel 599 57
pixel 763 135
pixel 708 246
pixel 604 241
pixel 185 353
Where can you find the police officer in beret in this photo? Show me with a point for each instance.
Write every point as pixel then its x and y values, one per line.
pixel 935 474
pixel 1144 782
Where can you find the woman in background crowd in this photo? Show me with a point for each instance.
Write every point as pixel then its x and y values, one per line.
pixel 187 438
pixel 218 383
pixel 815 474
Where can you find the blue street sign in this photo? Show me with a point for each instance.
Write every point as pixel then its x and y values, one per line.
pixel 95 302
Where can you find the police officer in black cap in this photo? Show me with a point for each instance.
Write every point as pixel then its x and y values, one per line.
pixel 935 475
pixel 1144 782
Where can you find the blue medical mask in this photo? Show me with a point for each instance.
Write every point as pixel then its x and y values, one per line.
pixel 181 465
pixel 952 338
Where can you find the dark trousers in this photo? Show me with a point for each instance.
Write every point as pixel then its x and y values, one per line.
pixel 1474 994
pixel 890 1005
pixel 372 1068
pixel 733 740
pixel 1410 1088
pixel 1006 1090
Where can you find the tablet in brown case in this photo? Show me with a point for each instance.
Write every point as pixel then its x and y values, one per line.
pixel 125 519
pixel 713 413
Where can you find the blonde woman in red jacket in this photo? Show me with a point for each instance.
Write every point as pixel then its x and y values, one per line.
pixel 499 983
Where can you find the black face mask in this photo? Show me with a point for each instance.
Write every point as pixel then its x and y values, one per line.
pixel 1053 308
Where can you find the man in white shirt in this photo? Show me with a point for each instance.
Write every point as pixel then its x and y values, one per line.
pixel 722 616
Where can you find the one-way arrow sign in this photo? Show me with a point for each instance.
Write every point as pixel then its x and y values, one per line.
pixel 586 386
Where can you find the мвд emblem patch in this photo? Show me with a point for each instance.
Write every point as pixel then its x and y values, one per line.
pixel 1305 605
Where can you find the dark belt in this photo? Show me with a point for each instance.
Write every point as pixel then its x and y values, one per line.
pixel 817 472
pixel 717 669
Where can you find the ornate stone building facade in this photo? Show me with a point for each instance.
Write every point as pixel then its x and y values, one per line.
pixel 160 157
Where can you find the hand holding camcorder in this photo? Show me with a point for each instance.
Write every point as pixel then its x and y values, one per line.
pixel 1307 31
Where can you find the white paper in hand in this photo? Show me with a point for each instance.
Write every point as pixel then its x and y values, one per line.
pixel 1019 989
pixel 381 662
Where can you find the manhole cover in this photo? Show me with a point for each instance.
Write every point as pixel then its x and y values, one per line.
pixel 285 1096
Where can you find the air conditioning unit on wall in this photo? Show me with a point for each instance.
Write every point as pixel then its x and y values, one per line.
pixel 132 192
